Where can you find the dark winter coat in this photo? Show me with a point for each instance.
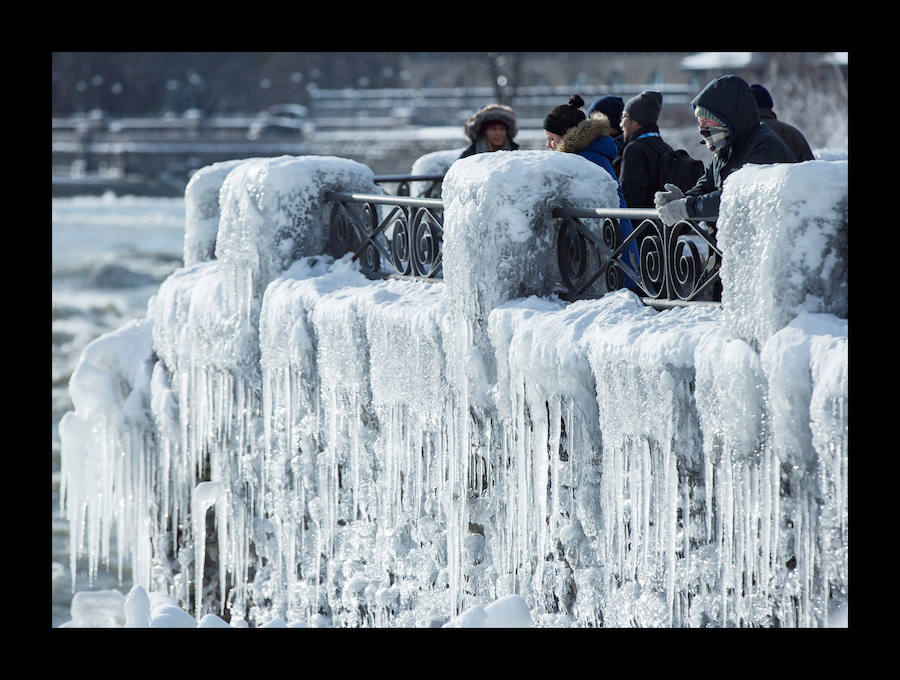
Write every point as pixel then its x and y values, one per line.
pixel 619 139
pixel 476 121
pixel 639 172
pixel 790 135
pixel 730 99
pixel 590 139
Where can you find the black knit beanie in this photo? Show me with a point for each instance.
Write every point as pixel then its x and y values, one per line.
pixel 762 96
pixel 565 116
pixel 644 108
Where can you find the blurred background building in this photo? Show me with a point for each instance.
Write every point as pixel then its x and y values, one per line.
pixel 143 122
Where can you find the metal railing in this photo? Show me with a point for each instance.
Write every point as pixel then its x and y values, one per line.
pixel 677 264
pixel 408 238
pixel 403 236
pixel 433 190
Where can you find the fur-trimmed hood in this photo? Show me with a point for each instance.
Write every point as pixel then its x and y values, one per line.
pixel 578 138
pixel 472 126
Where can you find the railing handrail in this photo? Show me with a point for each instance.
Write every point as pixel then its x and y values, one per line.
pixel 385 199
pixel 619 213
pixel 408 178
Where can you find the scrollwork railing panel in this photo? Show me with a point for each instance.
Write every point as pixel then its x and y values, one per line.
pixel 406 241
pixel 403 236
pixel 679 263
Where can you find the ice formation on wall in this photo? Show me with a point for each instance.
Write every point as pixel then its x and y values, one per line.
pixel 286 442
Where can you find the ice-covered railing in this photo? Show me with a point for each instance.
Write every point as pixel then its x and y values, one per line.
pixel 387 452
pixel 678 263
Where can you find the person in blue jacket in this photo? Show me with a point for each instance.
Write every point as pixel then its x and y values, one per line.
pixel 568 130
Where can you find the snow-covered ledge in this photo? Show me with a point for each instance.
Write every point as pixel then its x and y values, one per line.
pixel 783 234
pixel 499 237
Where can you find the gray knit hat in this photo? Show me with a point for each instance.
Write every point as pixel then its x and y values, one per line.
pixel 644 108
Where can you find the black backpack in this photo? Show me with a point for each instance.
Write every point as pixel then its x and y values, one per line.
pixel 678 168
pixel 675 166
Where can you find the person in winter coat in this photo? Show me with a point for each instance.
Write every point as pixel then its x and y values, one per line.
pixel 570 131
pixel 730 127
pixel 639 172
pixel 611 106
pixel 790 135
pixel 491 129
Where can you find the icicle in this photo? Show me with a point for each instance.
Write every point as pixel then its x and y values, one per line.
pixel 206 494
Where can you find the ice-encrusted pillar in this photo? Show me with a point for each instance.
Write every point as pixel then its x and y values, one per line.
pixel 205 322
pixel 499 244
pixel 783 232
pixel 201 211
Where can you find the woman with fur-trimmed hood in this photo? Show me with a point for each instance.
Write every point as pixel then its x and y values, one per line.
pixel 569 131
pixel 491 129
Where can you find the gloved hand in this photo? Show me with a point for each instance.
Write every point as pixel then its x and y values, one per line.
pixel 672 193
pixel 673 211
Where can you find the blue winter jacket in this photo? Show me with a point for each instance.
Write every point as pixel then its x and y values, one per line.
pixel 591 139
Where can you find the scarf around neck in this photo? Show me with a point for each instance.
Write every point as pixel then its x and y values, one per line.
pixel 716 138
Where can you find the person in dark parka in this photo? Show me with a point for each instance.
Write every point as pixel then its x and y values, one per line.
pixel 639 172
pixel 790 135
pixel 729 124
pixel 491 128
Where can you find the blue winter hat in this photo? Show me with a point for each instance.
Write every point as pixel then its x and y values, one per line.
pixel 762 96
pixel 611 105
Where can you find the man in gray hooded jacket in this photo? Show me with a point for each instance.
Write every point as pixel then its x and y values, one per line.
pixel 730 126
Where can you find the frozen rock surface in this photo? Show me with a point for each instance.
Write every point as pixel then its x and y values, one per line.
pixel 333 450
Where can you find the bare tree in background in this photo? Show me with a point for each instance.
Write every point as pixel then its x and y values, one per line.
pixel 506 72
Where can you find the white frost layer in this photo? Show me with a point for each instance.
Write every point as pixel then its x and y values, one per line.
pixel 201 208
pixel 783 232
pixel 272 213
pixel 392 467
pixel 434 163
pixel 100 444
pixel 499 237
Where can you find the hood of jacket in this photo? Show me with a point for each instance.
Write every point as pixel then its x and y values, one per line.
pixel 593 132
pixel 472 126
pixel 731 99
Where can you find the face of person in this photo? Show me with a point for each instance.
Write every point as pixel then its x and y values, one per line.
pixel 552 139
pixel 629 127
pixel 708 128
pixel 495 133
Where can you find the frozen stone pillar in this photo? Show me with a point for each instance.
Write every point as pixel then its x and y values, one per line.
pixel 499 244
pixel 499 236
pixel 273 212
pixel 201 211
pixel 783 236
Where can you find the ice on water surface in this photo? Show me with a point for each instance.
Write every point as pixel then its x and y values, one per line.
pixel 349 452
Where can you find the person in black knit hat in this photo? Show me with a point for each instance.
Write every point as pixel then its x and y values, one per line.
pixel 791 136
pixel 565 116
pixel 639 171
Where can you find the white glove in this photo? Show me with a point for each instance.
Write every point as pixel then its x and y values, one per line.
pixel 673 211
pixel 672 193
